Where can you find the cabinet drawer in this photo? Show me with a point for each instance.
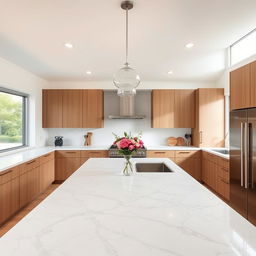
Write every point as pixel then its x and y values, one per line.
pixel 68 153
pixel 30 165
pixel 160 153
pixel 94 153
pixel 223 173
pixel 223 162
pixel 46 158
pixel 5 176
pixel 223 188
pixel 211 157
pixel 186 153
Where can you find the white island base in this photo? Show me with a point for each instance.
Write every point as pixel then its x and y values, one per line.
pixel 100 212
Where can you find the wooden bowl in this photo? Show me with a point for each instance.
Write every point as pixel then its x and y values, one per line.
pixel 172 141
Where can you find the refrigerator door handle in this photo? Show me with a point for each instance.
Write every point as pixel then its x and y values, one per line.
pixel 251 169
pixel 242 153
pixel 246 154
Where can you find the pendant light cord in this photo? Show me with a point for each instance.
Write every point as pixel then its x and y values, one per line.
pixel 126 57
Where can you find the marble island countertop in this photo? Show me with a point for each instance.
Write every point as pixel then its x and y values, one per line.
pixel 100 212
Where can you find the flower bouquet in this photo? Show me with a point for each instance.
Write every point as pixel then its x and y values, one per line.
pixel 127 145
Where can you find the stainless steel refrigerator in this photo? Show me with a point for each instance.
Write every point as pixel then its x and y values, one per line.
pixel 243 162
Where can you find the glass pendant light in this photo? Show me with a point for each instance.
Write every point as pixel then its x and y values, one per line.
pixel 126 79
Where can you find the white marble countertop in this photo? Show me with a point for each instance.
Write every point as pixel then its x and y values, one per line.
pixel 100 212
pixel 155 147
pixel 211 150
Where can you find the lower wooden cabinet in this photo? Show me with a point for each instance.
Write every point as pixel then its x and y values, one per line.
pixel 161 154
pixel 68 161
pixel 47 175
pixel 190 161
pixel 215 174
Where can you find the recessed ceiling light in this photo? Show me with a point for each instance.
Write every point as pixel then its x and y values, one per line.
pixel 189 45
pixel 88 72
pixel 68 45
pixel 170 72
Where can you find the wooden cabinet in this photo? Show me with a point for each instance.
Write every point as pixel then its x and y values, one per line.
pixel 210 118
pixel 189 161
pixel 72 108
pixel 243 87
pixel 253 84
pixel 184 108
pixel 215 174
pixel 94 153
pixel 162 108
pixel 47 171
pixel 93 108
pixel 5 196
pixel 173 108
pixel 240 88
pixel 52 108
pixel 67 162
pixel 161 154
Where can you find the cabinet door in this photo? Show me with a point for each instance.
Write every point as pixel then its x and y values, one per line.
pixel 46 175
pixel 33 183
pixel 161 154
pixel 52 108
pixel 184 109
pixel 83 160
pixel 23 189
pixel 253 84
pixel 15 200
pixel 66 166
pixel 72 108
pixel 5 201
pixel 163 108
pixel 240 88
pixel 211 117
pixel 93 113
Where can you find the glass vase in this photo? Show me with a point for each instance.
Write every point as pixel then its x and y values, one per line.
pixel 128 170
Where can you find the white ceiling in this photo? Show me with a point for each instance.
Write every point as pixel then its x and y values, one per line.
pixel 32 34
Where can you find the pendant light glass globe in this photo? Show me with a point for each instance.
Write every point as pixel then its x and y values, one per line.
pixel 126 80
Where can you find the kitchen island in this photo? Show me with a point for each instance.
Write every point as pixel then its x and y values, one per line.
pixel 100 212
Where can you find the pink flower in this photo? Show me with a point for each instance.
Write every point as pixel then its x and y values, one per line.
pixel 131 147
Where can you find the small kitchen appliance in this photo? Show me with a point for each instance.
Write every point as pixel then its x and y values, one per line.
pixel 58 141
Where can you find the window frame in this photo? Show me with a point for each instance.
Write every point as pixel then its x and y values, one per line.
pixel 237 41
pixel 25 109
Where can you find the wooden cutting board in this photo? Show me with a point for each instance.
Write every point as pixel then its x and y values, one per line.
pixel 172 141
pixel 181 141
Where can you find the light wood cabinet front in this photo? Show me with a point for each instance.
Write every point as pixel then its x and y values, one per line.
pixel 161 154
pixel 72 109
pixel 253 84
pixel 163 108
pixel 210 118
pixel 52 108
pixel 240 88
pixel 189 161
pixel 47 174
pixel 93 109
pixel 94 153
pixel 184 108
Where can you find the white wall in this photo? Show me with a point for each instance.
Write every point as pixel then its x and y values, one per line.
pixel 16 78
pixel 104 135
pixel 144 85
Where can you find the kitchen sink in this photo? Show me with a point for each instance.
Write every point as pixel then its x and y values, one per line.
pixel 222 151
pixel 152 167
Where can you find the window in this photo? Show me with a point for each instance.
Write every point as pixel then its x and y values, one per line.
pixel 13 119
pixel 243 48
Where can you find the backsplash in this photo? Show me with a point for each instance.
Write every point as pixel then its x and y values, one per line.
pixel 104 136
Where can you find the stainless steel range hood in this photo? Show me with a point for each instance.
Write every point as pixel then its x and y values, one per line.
pixel 127 108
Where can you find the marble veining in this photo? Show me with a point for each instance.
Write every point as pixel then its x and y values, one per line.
pixel 100 212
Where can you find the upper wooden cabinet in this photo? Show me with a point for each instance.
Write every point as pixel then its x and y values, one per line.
pixel 162 108
pixel 184 108
pixel 93 109
pixel 240 88
pixel 173 108
pixel 210 118
pixel 72 108
pixel 52 108
pixel 243 87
